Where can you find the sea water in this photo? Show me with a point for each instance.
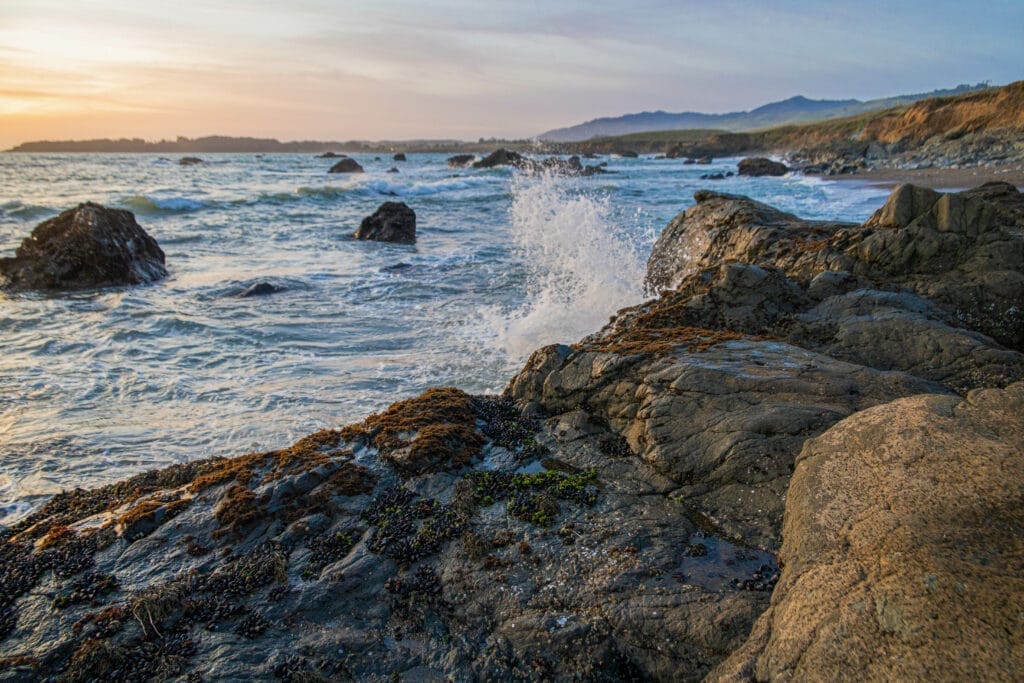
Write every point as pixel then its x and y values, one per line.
pixel 98 385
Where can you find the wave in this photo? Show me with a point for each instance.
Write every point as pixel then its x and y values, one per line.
pixel 581 267
pixel 147 205
pixel 24 212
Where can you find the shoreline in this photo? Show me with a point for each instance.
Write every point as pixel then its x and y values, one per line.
pixel 934 178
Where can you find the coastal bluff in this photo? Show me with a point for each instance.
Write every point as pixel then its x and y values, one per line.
pixel 803 458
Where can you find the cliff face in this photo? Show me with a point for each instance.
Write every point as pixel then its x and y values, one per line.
pixel 988 111
pixel 842 397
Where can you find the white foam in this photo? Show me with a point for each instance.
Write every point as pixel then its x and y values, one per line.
pixel 580 266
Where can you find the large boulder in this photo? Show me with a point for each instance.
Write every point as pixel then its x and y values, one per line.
pixel 759 166
pixel 346 165
pixel 85 247
pixel 903 549
pixel 391 222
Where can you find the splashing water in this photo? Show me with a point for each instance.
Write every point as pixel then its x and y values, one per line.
pixel 580 267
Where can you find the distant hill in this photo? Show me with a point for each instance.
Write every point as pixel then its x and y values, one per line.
pixel 997 110
pixel 797 109
pixel 210 145
pixel 214 144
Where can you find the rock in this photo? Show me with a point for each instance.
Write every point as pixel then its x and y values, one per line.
pixel 189 161
pixel 688 162
pixel 461 160
pixel 962 251
pixel 759 166
pixel 346 165
pixel 399 157
pixel 391 222
pixel 331 155
pixel 713 176
pixel 628 154
pixel 901 535
pixel 392 170
pixel 501 157
pixel 703 160
pixel 261 289
pixel 82 248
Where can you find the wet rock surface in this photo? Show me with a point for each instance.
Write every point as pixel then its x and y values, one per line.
pixel 791 460
pixel 391 222
pixel 82 248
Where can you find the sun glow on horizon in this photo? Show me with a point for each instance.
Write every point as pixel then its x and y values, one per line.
pixel 456 69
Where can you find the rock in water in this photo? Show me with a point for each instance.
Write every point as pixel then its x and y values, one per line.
pixel 346 165
pixel 392 222
pixel 399 157
pixel 189 161
pixel 628 154
pixel 460 160
pixel 501 157
pixel 331 155
pixel 760 166
pixel 85 247
pixel 261 289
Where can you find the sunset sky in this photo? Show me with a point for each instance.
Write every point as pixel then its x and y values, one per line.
pixel 376 69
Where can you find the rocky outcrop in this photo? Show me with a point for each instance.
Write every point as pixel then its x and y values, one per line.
pixel 759 166
pixel 399 157
pixel 346 165
pixel 461 160
pixel 501 157
pixel 82 248
pixel 963 251
pixel 902 543
pixel 391 222
pixel 551 165
pixel 189 161
pixel 331 155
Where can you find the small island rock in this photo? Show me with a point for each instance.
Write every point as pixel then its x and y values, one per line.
pixel 392 222
pixel 189 161
pixel 759 166
pixel 346 165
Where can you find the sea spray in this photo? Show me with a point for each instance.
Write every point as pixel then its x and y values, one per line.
pixel 580 266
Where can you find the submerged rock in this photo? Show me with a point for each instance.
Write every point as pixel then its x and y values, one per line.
pixel 330 155
pixel 346 165
pixel 261 289
pixel 759 166
pixel 85 247
pixel 391 222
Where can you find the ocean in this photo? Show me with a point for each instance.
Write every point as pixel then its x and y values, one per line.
pixel 99 385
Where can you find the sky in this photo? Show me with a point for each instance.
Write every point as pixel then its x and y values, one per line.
pixel 401 69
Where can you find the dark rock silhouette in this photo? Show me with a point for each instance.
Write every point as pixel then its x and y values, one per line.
pixel 391 222
pixel 760 166
pixel 85 247
pixel 346 165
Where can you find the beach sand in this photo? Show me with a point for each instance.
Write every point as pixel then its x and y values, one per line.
pixel 937 178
